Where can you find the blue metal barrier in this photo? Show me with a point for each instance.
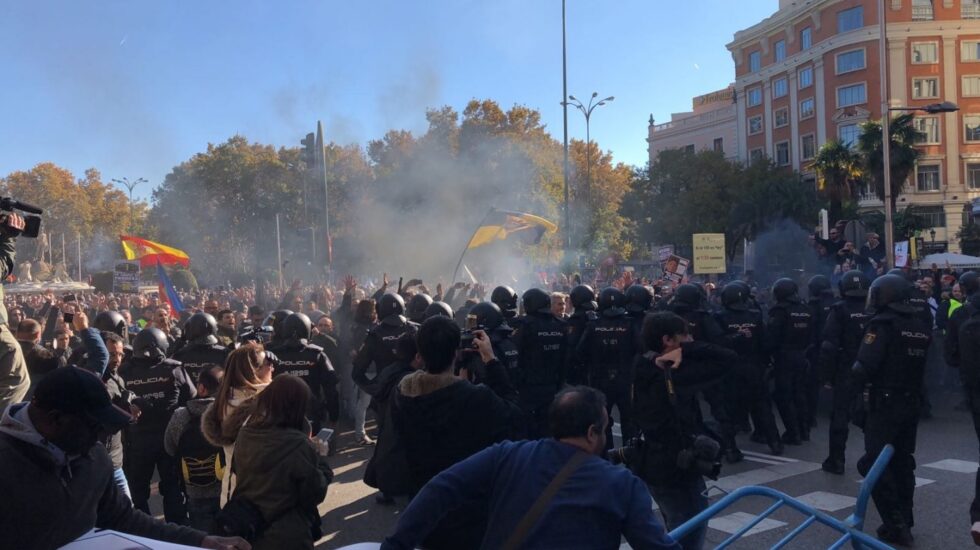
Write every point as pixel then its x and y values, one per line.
pixel 850 529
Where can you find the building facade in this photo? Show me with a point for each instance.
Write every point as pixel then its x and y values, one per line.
pixel 810 73
pixel 710 125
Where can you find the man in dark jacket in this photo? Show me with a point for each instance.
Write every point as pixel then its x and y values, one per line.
pixel 789 334
pixel 202 350
pixel 542 347
pixel 300 358
pixel 60 482
pixel 442 420
pixel 40 361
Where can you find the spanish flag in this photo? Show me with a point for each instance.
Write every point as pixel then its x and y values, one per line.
pixel 499 225
pixel 150 253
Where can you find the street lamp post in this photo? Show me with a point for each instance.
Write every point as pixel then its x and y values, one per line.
pixel 130 185
pixel 587 111
pixel 564 94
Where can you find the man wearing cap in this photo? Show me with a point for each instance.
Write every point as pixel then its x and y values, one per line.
pixel 58 484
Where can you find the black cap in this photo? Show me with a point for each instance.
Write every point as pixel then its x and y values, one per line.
pixel 74 390
pixel 255 310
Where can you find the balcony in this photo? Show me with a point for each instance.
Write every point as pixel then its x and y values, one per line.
pixel 869 200
pixel 924 12
pixel 970 10
pixel 691 121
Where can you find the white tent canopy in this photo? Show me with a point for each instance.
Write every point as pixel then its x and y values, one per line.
pixel 954 260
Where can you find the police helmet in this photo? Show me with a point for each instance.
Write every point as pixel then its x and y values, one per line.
pixel 818 285
pixel 415 310
pixel 390 304
pixel 611 297
pixel 638 298
pixel 854 284
pixel 150 342
pixel 969 283
pixel 898 271
pixel 110 321
pixel 785 290
pixel 735 296
pixel 688 294
pixel 201 327
pixel 582 297
pixel 488 315
pixel 438 308
pixel 276 318
pixel 506 300
pixel 535 300
pixel 297 327
pixel 891 291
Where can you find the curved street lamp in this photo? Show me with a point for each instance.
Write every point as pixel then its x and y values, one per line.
pixel 587 111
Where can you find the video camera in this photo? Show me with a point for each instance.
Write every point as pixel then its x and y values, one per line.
pixel 32 224
pixel 468 338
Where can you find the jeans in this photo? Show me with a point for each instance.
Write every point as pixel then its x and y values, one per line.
pixel 361 404
pixel 120 477
pixel 679 502
pixel 202 512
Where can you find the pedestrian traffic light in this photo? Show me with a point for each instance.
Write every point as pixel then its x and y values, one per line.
pixel 309 146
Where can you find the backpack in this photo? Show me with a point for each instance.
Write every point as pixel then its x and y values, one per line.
pixel 201 463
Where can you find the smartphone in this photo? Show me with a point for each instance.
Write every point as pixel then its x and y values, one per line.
pixel 69 317
pixel 325 435
pixel 470 322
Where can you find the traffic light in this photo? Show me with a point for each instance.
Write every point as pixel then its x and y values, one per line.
pixel 309 148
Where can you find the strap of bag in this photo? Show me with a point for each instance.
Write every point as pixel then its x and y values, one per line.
pixel 537 509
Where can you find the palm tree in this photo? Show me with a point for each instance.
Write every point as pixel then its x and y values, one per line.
pixel 903 154
pixel 837 169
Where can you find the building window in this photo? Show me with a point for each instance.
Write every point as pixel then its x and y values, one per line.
pixel 780 87
pixel 806 38
pixel 805 77
pixel 928 126
pixel 972 125
pixel 923 88
pixel 925 53
pixel 922 10
pixel 756 154
pixel 970 51
pixel 781 118
pixel 755 61
pixel 782 153
pixel 779 48
pixel 931 216
pixel 689 149
pixel 755 97
pixel 854 94
pixel 719 145
pixel 806 108
pixel 808 146
pixel 755 125
pixel 927 179
pixel 848 134
pixel 970 9
pixel 850 61
pixel 973 176
pixel 971 86
pixel 848 20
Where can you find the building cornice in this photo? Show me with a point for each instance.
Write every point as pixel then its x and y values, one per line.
pixel 778 20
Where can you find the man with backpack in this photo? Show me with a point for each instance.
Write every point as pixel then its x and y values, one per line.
pixel 201 464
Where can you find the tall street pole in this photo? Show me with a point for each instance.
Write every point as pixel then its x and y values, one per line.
pixel 130 185
pixel 886 137
pixel 564 106
pixel 321 159
pixel 587 111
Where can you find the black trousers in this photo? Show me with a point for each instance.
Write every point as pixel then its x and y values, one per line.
pixel 790 393
pixel 142 454
pixel 973 400
pixel 840 415
pixel 893 418
pixel 747 394
pixel 619 393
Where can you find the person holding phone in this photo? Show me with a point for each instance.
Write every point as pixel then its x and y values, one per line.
pixel 15 381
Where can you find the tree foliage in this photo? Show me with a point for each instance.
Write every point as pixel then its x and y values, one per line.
pixel 837 168
pixel 902 138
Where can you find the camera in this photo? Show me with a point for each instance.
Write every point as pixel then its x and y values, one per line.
pixel 467 337
pixel 701 457
pixel 626 455
pixel 32 224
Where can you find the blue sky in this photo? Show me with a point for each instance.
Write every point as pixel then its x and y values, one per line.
pixel 135 87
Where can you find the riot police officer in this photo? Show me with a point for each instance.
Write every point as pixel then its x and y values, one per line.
pixel 820 298
pixel 639 302
pixel 156 384
pixel 417 304
pixel 583 312
pixel 748 393
pixel 789 333
pixel 891 361
pixel 438 308
pixel 688 302
pixel 608 349
pixel 105 322
pixel 379 344
pixel 488 318
pixel 202 350
pixel 839 345
pixel 506 299
pixel 542 347
pixel 963 351
pixel 300 358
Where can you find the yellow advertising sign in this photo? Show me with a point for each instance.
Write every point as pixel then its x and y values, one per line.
pixel 709 253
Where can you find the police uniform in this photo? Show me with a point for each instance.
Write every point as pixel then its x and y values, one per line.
pixel 199 356
pixel 542 344
pixel 607 349
pixel 308 362
pixel 968 360
pixel 577 322
pixel 789 333
pixel 379 346
pixel 820 306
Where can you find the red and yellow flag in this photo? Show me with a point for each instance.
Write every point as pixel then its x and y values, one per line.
pixel 150 253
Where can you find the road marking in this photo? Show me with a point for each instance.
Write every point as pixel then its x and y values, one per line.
pixel 733 522
pixel 828 502
pixel 761 460
pixel 955 465
pixel 920 481
pixel 768 474
pixel 769 457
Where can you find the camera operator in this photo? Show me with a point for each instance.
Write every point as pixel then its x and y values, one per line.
pixel 14 379
pixel 678 449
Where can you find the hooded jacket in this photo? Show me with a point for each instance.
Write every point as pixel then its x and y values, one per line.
pixel 224 433
pixel 279 471
pixel 58 498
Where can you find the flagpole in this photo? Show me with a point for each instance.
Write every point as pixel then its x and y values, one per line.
pixel 79 250
pixel 279 251
pixel 468 241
